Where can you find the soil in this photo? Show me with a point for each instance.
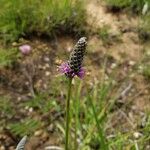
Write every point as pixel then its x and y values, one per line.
pixel 37 71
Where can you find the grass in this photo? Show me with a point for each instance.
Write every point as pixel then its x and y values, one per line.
pixel 133 5
pixel 118 3
pixel 144 29
pixel 91 115
pixel 8 57
pixel 41 103
pixel 26 127
pixel 103 34
pixel 92 126
pixel 107 37
pixel 146 71
pixel 47 17
pixel 6 107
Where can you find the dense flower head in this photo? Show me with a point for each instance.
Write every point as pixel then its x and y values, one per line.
pixel 74 66
pixel 65 69
pixel 25 49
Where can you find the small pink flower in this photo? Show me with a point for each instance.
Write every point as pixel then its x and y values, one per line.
pixel 25 49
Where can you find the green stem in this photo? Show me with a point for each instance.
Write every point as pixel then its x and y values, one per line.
pixel 68 115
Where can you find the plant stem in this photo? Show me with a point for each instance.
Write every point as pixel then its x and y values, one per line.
pixel 68 114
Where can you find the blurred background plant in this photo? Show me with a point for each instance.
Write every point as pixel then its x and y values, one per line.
pixel 144 29
pixel 46 17
pixel 8 57
pixel 26 127
pixel 140 7
pixel 133 5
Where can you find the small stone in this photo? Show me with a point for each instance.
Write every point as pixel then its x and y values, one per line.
pixel 46 48
pixel 47 73
pixel 45 86
pixel 148 53
pixel 146 91
pixel 2 148
pixel 144 121
pixel 69 49
pixel 130 94
pixel 147 147
pixel 88 73
pixel 113 65
pixel 50 128
pixel 46 59
pixel 14 44
pixel 140 67
pixel 38 133
pixel 106 78
pixel 114 82
pixel 132 75
pixel 58 61
pixel 102 20
pixel 26 107
pixel 45 136
pixel 26 83
pixel 44 67
pixel 11 148
pixel 40 66
pixel 30 109
pixel 131 63
pixel 137 134
pixel 29 94
pixel 19 98
pixel 47 65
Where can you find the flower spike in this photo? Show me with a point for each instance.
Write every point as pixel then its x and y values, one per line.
pixel 74 66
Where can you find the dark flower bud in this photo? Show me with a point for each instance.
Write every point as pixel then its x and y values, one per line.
pixel 76 57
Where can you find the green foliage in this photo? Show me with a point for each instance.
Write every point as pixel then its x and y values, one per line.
pixel 134 5
pixel 26 127
pixel 118 3
pixel 91 114
pixel 41 17
pixel 137 5
pixel 6 106
pixel 146 71
pixel 95 109
pixel 144 31
pixel 107 37
pixel 104 34
pixel 42 103
pixel 8 56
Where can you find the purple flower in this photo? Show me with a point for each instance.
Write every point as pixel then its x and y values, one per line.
pixel 74 66
pixel 65 69
pixel 25 49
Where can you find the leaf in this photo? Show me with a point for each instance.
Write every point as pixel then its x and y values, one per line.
pixel 21 144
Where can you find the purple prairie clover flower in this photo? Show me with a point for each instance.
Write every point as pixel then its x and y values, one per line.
pixel 25 49
pixel 65 69
pixel 74 66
